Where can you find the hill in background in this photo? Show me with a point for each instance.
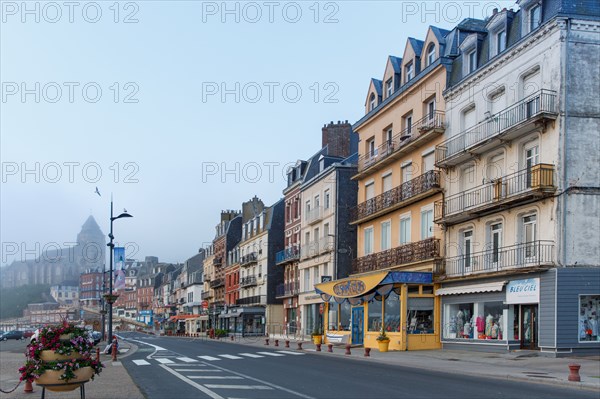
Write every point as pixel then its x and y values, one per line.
pixel 14 300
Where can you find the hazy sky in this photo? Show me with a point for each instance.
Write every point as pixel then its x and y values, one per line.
pixel 179 108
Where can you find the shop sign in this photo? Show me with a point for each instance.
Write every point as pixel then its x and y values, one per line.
pixel 349 288
pixel 523 291
pixel 326 279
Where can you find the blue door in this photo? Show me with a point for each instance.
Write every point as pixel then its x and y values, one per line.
pixel 358 319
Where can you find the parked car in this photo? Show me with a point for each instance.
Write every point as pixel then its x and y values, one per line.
pixel 14 334
pixel 97 336
pixel 28 333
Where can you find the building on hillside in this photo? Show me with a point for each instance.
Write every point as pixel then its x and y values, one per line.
pixel 66 293
pixel 91 288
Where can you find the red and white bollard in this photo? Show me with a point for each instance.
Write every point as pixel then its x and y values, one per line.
pixel 574 372
pixel 287 344
pixel 276 342
pixel 266 341
pixel 299 346
pixel 318 347
pixel 367 352
pixel 330 348
pixel 348 349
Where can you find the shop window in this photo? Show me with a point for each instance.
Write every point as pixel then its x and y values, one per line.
pixel 374 314
pixel 391 312
pixel 493 320
pixel 332 316
pixel 427 289
pixel 420 315
pixel 345 316
pixel 589 306
pixel 460 322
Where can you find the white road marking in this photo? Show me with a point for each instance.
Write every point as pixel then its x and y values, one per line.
pixel 187 365
pixel 215 377
pixel 187 359
pixel 200 370
pixel 252 355
pixel 210 358
pixel 156 347
pixel 270 353
pixel 163 360
pixel 219 386
pixel 291 353
pixel 231 357
pixel 141 362
pixel 207 391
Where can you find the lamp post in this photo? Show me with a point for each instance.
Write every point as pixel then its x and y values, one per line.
pixel 110 298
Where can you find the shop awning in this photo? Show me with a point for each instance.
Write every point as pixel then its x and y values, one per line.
pixel 471 289
pixel 182 317
pixel 352 286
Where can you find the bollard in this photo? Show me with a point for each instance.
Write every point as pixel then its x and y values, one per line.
pixel 232 338
pixel 276 342
pixel 574 374
pixel 266 341
pixel 98 354
pixel 114 353
pixel 318 347
pixel 299 346
pixel 367 352
pixel 348 349
pixel 28 387
pixel 287 343
pixel 330 348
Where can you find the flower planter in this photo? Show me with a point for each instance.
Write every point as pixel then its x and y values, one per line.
pixel 50 379
pixel 383 345
pixel 317 339
pixel 50 356
pixel 65 337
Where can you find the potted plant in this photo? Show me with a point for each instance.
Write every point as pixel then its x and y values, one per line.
pixel 383 341
pixel 317 336
pixel 60 358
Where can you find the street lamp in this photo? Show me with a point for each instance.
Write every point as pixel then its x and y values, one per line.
pixel 110 298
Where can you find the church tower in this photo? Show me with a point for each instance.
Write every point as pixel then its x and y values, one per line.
pixel 90 252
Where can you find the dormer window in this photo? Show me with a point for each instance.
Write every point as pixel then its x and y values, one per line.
pixel 389 87
pixel 500 41
pixel 430 54
pixel 535 17
pixel 410 71
pixel 472 61
pixel 372 102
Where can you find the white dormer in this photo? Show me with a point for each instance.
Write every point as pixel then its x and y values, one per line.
pixel 497 27
pixel 468 49
pixel 531 15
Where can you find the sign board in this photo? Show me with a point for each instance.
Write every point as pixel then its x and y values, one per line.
pixel 204 304
pixel 523 291
pixel 326 279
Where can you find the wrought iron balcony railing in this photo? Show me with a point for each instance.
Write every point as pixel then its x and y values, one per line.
pixel 206 295
pixel 404 254
pixel 217 261
pixel 538 106
pixel 534 182
pixel 252 300
pixel 317 247
pixel 514 257
pixel 397 196
pixel 287 255
pixel 287 289
pixel 430 123
pixel 218 282
pixel 249 259
pixel 248 281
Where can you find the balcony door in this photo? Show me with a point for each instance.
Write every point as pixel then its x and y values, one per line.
pixel 467 246
pixel 531 158
pixel 496 245
pixel 529 238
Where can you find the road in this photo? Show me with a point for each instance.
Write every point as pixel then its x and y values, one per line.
pixel 165 367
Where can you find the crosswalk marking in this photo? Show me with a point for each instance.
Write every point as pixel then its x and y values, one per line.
pixel 231 357
pixel 210 358
pixel 199 370
pixel 187 359
pixel 252 355
pixel 270 353
pixel 141 362
pixel 291 353
pixel 215 377
pixel 219 386
pixel 164 360
pixel 187 365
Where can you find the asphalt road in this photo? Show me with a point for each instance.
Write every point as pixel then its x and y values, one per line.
pixel 182 368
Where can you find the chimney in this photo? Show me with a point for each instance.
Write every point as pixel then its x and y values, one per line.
pixel 338 137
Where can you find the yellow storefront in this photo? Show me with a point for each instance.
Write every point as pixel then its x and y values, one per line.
pixel 403 304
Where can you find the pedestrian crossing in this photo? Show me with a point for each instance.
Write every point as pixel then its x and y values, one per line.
pixel 185 361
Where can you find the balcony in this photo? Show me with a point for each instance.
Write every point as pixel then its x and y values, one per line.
pixel 287 255
pixel 314 215
pixel 411 191
pixel 317 247
pixel 515 189
pixel 503 259
pixel 206 295
pixel 217 261
pixel 218 282
pixel 535 110
pixel 402 143
pixel 287 290
pixel 252 300
pixel 249 259
pixel 248 281
pixel 402 255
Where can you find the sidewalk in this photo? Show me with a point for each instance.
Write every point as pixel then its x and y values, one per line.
pixel 112 382
pixel 528 366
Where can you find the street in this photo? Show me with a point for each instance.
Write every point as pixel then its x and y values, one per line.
pixel 166 367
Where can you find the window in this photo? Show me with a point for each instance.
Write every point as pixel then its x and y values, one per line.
pixel 529 223
pixel 408 122
pixel 345 315
pixel 407 172
pixel 388 137
pixel 332 316
pixel 374 315
pixel 472 61
pixel 431 109
pixel 430 54
pixel 500 41
pixel 428 162
pixel 589 310
pixel 326 199
pixel 315 277
pixel 409 71
pixel 386 235
pixel 391 311
pixel 495 242
pixel 369 191
pixel 535 17
pixel 368 240
pixel 389 87
pixel 467 238
pixel 372 102
pixel 387 182
pixel 420 315
pixel 306 279
pixel 426 224
pixel 317 201
pixel 371 148
pixel 459 321
pixel 404 229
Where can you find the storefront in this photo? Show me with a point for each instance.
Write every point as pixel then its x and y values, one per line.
pixel 312 312
pixel 402 304
pixel 245 321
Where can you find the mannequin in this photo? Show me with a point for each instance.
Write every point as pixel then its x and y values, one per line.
pixel 488 325
pixel 495 331
pixel 467 330
pixel 582 328
pixel 593 325
pixel 500 326
pixel 480 324
pixel 460 322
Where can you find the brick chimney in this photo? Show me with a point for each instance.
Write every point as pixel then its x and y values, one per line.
pixel 339 138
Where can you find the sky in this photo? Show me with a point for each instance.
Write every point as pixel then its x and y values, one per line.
pixel 179 109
